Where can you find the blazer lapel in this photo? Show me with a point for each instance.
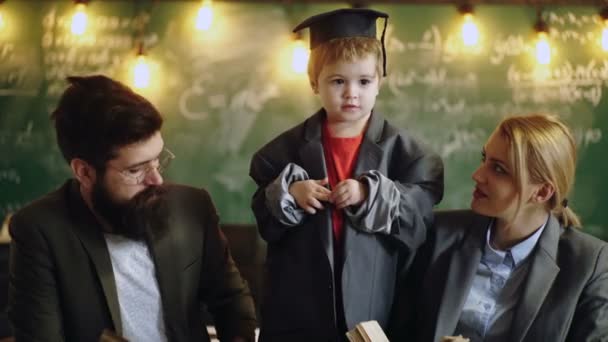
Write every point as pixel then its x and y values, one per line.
pixel 370 154
pixel 163 252
pixel 461 272
pixel 369 158
pixel 313 161
pixel 542 273
pixel 89 231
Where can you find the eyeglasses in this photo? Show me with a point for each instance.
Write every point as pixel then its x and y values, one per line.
pixel 136 175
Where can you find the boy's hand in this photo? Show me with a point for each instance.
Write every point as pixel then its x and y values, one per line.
pixel 309 193
pixel 348 192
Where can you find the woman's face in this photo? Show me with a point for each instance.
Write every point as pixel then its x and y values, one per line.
pixel 495 192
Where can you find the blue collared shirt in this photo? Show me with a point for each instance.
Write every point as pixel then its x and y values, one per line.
pixel 488 310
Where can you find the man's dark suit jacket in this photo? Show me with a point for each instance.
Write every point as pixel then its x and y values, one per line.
pixel 62 285
pixel 564 297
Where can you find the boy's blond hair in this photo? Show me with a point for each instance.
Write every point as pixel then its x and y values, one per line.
pixel 343 50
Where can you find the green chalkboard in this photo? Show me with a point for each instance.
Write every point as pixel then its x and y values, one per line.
pixel 225 92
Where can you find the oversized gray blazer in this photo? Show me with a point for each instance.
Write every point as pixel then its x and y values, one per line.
pixel 62 286
pixel 405 182
pixel 564 298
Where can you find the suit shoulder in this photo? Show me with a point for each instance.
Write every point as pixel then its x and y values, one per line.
pixel 581 243
pixel 405 139
pixel 284 140
pixel 458 221
pixel 45 208
pixel 184 195
pixel 45 215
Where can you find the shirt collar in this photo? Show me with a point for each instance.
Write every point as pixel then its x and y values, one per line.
pixel 520 251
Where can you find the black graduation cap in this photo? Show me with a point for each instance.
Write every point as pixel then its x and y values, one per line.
pixel 343 23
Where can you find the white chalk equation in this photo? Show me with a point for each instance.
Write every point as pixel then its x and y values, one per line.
pixel 19 137
pixel 587 136
pixel 18 70
pixel 463 140
pixel 102 50
pixel 10 175
pixel 567 83
pixel 438 78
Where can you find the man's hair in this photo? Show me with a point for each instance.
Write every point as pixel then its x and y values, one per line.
pixel 97 115
pixel 343 50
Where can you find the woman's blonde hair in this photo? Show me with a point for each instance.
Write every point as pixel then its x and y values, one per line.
pixel 543 146
pixel 343 50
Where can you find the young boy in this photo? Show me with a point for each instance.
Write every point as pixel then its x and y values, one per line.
pixel 344 198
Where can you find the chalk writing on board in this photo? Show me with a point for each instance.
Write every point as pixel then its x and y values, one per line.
pixel 232 175
pixel 430 41
pixel 567 83
pixel 10 175
pixel 511 45
pixel 103 50
pixel 463 140
pixel 432 77
pixel 587 136
pixel 9 207
pixel 571 19
pixel 237 121
pixel 19 137
pixel 17 70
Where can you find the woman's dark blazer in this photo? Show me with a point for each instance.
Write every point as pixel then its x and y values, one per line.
pixel 564 298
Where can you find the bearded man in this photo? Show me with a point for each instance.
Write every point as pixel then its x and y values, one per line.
pixel 114 251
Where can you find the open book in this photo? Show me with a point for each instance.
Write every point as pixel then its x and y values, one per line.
pixel 369 331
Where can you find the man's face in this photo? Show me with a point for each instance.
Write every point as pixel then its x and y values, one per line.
pixel 130 186
pixel 134 169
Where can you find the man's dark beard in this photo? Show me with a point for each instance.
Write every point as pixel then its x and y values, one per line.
pixel 145 213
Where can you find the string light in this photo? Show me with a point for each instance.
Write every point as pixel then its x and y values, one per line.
pixel 2 22
pixel 141 70
pixel 204 19
pixel 543 48
pixel 300 54
pixel 469 31
pixel 79 19
pixel 604 19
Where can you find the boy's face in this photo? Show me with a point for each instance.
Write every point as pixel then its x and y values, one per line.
pixel 348 90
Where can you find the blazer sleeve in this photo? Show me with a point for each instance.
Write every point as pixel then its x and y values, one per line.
pixel 590 322
pixel 400 205
pixel 272 184
pixel 226 294
pixel 33 302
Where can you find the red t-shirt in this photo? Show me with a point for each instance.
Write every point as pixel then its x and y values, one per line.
pixel 340 158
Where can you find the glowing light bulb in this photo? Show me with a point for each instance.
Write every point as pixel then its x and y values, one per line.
pixel 300 55
pixel 605 36
pixel 543 49
pixel 470 33
pixel 2 22
pixel 141 73
pixel 204 19
pixel 79 20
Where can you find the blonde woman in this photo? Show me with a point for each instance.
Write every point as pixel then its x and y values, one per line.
pixel 517 267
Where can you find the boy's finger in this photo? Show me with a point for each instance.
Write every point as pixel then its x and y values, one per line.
pixel 309 209
pixel 338 193
pixel 315 203
pixel 322 196
pixel 340 199
pixel 323 181
pixel 343 204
